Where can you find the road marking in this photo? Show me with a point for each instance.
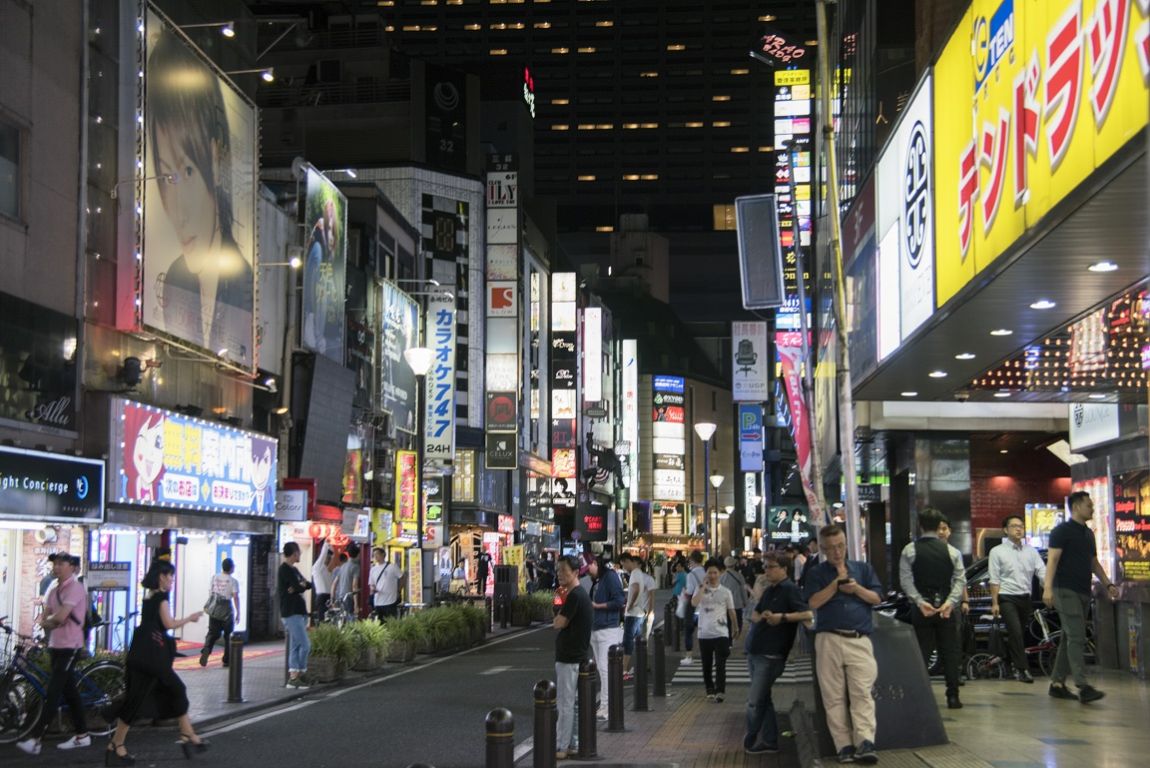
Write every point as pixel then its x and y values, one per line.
pixel 494 670
pixel 245 722
pixel 523 749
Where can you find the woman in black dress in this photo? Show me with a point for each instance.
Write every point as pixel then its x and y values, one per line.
pixel 150 672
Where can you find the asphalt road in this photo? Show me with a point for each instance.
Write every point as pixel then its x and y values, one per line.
pixel 431 713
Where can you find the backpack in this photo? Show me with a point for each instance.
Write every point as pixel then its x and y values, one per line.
pixel 91 620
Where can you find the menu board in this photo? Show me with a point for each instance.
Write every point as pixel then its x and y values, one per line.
pixel 1132 525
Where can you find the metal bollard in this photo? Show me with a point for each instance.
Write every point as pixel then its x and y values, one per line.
pixel 287 655
pixel 615 689
pixel 677 634
pixel 489 606
pixel 503 610
pixel 660 664
pixel 545 719
pixel 668 620
pixel 236 670
pixel 641 673
pixel 500 739
pixel 588 674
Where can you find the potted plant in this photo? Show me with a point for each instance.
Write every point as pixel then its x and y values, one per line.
pixel 542 600
pixel 522 611
pixel 370 639
pixel 405 635
pixel 332 649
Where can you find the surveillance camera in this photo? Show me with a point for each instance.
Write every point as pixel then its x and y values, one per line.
pixel 962 396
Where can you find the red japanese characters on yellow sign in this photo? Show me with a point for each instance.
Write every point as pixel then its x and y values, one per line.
pixel 1031 96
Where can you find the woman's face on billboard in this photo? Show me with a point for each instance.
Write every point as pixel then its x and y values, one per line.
pixel 189 202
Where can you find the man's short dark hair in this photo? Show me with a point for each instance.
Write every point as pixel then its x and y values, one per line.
pixel 696 557
pixel 290 549
pixel 930 519
pixel 715 562
pixel 228 565
pixel 782 558
pixel 1077 498
pixel 1006 520
pixel 834 529
pixel 570 561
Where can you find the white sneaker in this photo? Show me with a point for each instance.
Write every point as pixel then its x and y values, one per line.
pixel 686 662
pixel 77 743
pixel 29 746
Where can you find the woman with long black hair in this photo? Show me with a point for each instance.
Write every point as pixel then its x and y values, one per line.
pixel 149 666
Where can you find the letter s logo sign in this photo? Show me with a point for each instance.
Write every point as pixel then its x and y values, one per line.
pixel 502 298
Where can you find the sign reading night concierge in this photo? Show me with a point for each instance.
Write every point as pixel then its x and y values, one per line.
pixel 45 487
pixel 166 459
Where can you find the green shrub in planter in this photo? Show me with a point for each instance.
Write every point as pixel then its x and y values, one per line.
pixel 330 641
pixel 522 611
pixel 405 636
pixel 542 601
pixel 370 639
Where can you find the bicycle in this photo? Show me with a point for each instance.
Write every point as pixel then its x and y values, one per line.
pixel 992 666
pixel 336 614
pixel 24 684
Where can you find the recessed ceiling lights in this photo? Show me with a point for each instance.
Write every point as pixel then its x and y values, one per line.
pixel 1096 396
pixel 1003 450
pixel 1001 332
pixel 1103 266
pixel 1002 394
pixel 910 394
pixel 1043 304
pixel 937 374
pixel 964 356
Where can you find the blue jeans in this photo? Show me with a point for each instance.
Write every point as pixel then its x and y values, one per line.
pixel 762 724
pixel 633 627
pixel 298 644
pixel 566 705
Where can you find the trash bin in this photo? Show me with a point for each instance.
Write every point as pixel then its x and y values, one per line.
pixel 506 583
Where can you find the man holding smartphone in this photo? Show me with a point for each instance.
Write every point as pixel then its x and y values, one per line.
pixel 842 594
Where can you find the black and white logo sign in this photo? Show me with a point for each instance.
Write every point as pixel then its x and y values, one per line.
pixel 916 194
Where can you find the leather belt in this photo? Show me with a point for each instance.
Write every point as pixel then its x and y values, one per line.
pixel 851 633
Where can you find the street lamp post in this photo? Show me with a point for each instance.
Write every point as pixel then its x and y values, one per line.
pixel 715 480
pixel 706 430
pixel 419 359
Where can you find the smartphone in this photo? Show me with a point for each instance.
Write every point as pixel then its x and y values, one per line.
pixel 844 581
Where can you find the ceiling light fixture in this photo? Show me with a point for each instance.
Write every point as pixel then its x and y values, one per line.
pixel 909 394
pixel 1103 266
pixel 964 356
pixel 1096 396
pixel 1003 451
pixel 1001 332
pixel 937 374
pixel 1043 304
pixel 1002 394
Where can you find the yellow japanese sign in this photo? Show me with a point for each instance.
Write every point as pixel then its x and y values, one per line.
pixel 1030 97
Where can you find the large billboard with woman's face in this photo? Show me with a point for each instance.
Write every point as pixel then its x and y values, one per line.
pixel 199 233
pixel 324 278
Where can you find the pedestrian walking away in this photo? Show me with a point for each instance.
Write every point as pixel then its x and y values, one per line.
pixel 65 607
pixel 773 624
pixel 608 601
pixel 290 589
pixel 733 580
pixel 931 574
pixel 842 594
pixel 1013 566
pixel 717 628
pixel 223 607
pixel 640 606
pixel 384 581
pixel 572 647
pixel 150 677
pixel 1070 561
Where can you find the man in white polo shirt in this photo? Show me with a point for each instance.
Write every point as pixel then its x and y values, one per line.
pixel 1013 565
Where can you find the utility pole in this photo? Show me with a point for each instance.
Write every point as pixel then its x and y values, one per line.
pixel 846 401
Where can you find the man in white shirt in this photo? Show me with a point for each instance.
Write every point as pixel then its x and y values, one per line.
pixel 321 577
pixel 640 604
pixel 384 579
pixel 1013 565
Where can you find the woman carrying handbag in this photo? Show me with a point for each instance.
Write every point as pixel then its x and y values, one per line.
pixel 149 668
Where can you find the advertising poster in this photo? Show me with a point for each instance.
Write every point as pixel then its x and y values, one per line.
pixel 1099 490
pixel 750 437
pixel 325 267
pixel 400 332
pixel 750 362
pixel 787 525
pixel 1132 526
pixel 668 444
pixel 166 459
pixel 415 576
pixel 406 486
pixel 789 346
pixel 200 154
pixel 439 437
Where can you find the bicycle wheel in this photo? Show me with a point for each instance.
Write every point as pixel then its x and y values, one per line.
pixel 19 710
pixel 102 689
pixel 1046 656
pixel 985 666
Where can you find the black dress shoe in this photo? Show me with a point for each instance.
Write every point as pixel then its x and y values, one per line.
pixel 1062 692
pixel 1088 693
pixel 952 702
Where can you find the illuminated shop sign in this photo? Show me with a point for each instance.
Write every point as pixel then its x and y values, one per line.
pixel 41 487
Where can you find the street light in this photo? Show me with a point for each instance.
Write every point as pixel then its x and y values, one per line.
pixel 706 430
pixel 419 359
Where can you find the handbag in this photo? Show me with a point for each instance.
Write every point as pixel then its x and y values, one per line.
pixel 152 650
pixel 218 608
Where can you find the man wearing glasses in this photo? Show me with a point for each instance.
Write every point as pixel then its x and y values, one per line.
pixel 1013 565
pixel 776 617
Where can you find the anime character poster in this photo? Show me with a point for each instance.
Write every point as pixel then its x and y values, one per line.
pixel 198 205
pixel 325 267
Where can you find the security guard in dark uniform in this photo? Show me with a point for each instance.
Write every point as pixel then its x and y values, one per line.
pixel 932 576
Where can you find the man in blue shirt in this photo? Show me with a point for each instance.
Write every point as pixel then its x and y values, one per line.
pixel 608 601
pixel 776 617
pixel 842 593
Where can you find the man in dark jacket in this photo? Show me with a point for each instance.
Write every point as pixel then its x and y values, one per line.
pixel 931 574
pixel 773 624
pixel 608 599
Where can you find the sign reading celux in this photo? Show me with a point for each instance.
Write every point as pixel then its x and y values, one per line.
pixel 46 487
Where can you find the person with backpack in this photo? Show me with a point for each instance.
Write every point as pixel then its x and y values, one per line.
pixel 224 596
pixel 64 610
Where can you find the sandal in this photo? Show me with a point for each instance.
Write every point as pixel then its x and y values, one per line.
pixel 113 756
pixel 192 748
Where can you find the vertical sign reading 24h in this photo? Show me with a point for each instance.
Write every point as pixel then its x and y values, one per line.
pixel 439 439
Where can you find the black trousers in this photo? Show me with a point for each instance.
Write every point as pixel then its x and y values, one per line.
pixel 62 682
pixel 215 629
pixel 937 633
pixel 715 652
pixel 1016 611
pixel 381 612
